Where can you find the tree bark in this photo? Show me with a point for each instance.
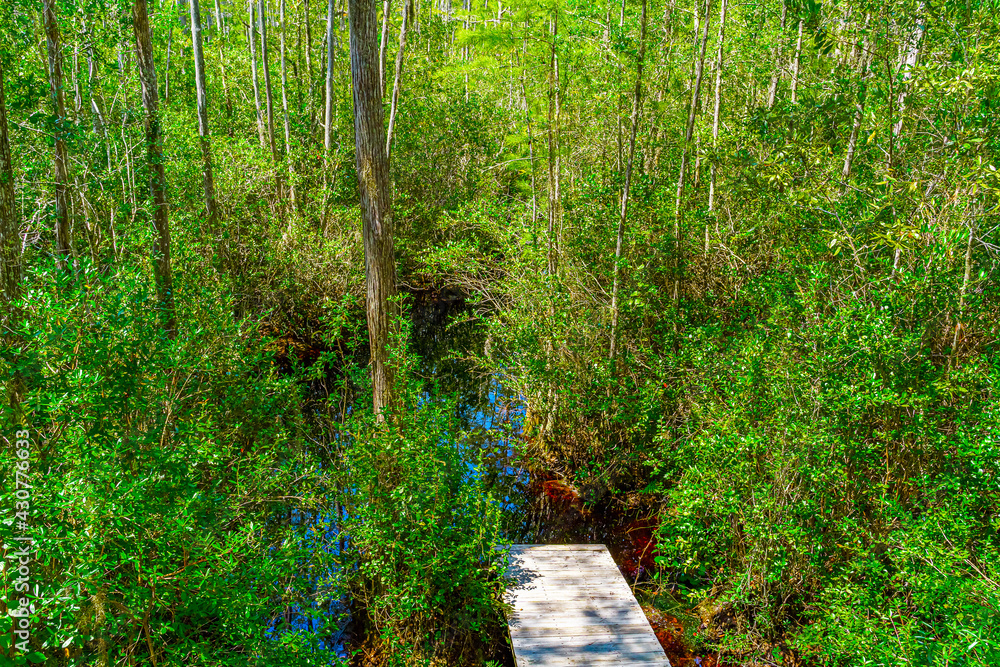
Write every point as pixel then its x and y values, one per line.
pixel 527 121
pixel 77 95
pixel 328 116
pixel 384 42
pixel 718 108
pixel 308 50
pixel 397 79
pixel 154 164
pixel 961 295
pixel 796 65
pixel 220 27
pixel 96 99
pixel 266 72
pixel 909 62
pixel 220 23
pixel 166 70
pixel 636 106
pixel 10 251
pixel 554 166
pixel 252 38
pixel 284 106
pixel 688 133
pixel 61 161
pixel 208 181
pixel 772 91
pixel 376 206
pixel 859 112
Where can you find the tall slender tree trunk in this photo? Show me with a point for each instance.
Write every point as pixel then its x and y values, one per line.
pixel 527 121
pixel 220 22
pixel 328 116
pixel 166 70
pixel 961 295
pixel 266 72
pixel 203 137
pixel 384 41
pixel 772 91
pixel 859 113
pixel 796 65
pixel 909 62
pixel 96 99
pixel 61 161
pixel 154 165
pixel 308 50
pixel 77 93
pixel 284 106
pixel 221 27
pixel 688 134
pixel 397 80
pixel 10 251
pixel 636 107
pixel 715 113
pixel 376 204
pixel 554 163
pixel 252 38
pixel 557 186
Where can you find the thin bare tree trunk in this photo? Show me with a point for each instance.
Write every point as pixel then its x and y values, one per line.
pixel 10 251
pixel 772 91
pixel 796 65
pixel 61 161
pixel 154 160
pixel 166 70
pixel 859 112
pixel 376 204
pixel 557 190
pixel 220 22
pixel 308 50
pixel 636 107
pixel 909 62
pixel 384 42
pixel 688 134
pixel 715 114
pixel 252 37
pixel 284 106
pixel 221 27
pixel 961 295
pixel 328 117
pixel 527 121
pixel 266 72
pixel 554 166
pixel 199 79
pixel 398 78
pixel 77 95
pixel 96 99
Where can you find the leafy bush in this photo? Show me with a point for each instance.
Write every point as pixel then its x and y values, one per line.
pixel 422 528
pixel 163 473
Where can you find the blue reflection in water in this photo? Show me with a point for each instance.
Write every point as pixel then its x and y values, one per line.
pixel 492 418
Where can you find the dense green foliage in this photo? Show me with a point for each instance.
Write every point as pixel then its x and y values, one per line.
pixel 804 392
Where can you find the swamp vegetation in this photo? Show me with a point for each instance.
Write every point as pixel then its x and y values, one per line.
pixel 308 308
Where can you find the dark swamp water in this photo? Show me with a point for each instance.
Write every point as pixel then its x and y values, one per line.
pixel 539 506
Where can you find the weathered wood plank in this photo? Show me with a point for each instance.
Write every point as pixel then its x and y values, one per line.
pixel 557 547
pixel 572 607
pixel 553 630
pixel 544 657
pixel 643 643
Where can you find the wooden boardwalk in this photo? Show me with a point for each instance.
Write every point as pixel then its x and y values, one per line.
pixel 573 607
